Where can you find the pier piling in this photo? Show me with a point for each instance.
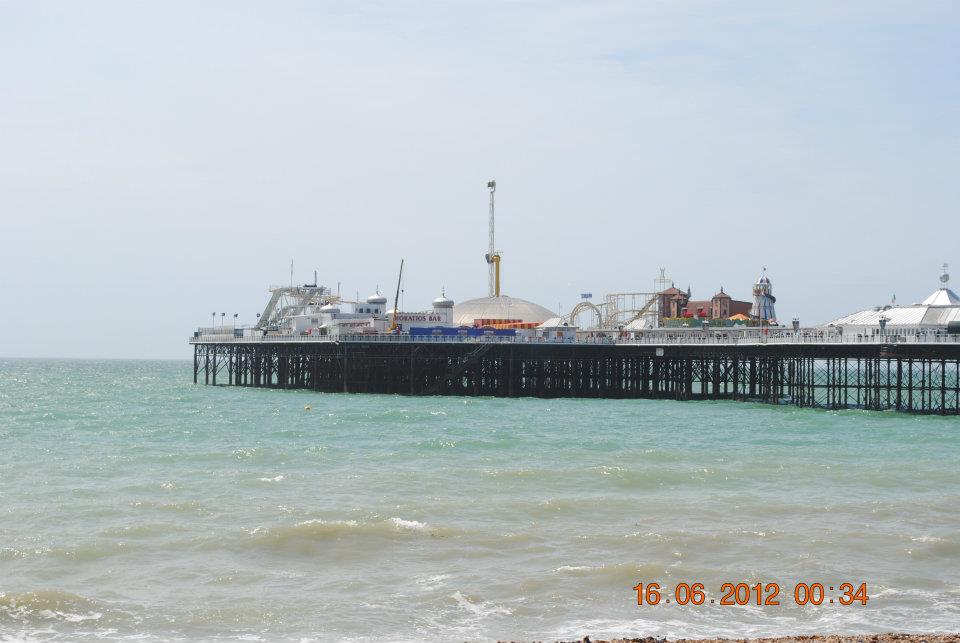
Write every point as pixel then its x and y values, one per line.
pixel 912 378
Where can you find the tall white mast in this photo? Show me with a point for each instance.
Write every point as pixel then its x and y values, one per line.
pixel 491 289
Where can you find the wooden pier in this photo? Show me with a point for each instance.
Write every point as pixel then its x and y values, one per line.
pixel 915 378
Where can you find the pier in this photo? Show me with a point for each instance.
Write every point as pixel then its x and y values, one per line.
pixel 910 374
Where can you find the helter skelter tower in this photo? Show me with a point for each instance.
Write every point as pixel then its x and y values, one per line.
pixel 763 299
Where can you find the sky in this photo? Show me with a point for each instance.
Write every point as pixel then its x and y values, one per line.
pixel 161 161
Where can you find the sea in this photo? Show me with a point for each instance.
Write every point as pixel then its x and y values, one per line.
pixel 136 505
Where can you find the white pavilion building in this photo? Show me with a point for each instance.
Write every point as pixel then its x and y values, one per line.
pixel 938 313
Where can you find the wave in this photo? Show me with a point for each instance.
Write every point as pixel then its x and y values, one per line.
pixel 276 478
pixel 135 537
pixel 432 581
pixel 90 551
pixel 437 443
pixel 13 553
pixel 621 574
pixel 143 530
pixel 926 547
pixel 304 533
pixel 678 623
pixel 630 479
pixel 653 478
pixel 52 607
pixel 578 506
pixel 410 525
pixel 479 608
pixel 186 506
pixel 524 474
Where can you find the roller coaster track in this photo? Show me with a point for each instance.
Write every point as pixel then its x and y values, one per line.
pixel 643 311
pixel 583 306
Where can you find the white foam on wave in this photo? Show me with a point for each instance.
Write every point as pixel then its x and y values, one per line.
pixel 432 582
pixel 277 478
pixel 409 525
pixel 317 521
pixel 69 617
pixel 609 470
pixel 480 609
pixel 927 539
pixel 48 606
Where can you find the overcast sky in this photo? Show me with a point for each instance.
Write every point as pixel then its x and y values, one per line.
pixel 160 161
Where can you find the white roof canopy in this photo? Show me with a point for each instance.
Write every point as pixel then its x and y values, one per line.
pixel 939 309
pixel 942 297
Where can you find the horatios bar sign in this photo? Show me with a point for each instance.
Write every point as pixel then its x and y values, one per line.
pixel 419 318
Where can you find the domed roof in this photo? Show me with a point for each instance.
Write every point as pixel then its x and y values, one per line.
pixel 442 302
pixel 501 307
pixel 376 299
pixel 329 308
pixel 942 297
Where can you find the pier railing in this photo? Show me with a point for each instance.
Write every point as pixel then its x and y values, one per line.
pixel 646 339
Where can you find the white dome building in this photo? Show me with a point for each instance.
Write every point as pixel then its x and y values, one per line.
pixel 374 305
pixel 443 302
pixel 935 314
pixel 502 307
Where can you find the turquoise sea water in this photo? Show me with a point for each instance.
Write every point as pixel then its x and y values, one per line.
pixel 134 504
